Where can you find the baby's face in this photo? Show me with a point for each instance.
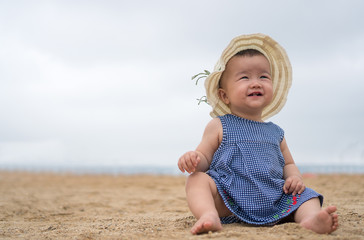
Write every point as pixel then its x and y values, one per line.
pixel 246 84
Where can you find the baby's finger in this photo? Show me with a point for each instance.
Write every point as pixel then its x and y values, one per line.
pixel 180 165
pixel 189 164
pixel 186 164
pixel 196 161
pixel 292 188
pixel 297 188
pixel 287 186
pixel 192 158
pixel 294 192
pixel 302 189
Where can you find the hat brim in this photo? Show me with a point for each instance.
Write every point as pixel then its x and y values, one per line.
pixel 281 72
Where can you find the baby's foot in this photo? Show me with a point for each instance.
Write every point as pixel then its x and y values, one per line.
pixel 207 222
pixel 325 221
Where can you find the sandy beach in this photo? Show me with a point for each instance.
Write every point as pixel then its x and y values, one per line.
pixel 65 206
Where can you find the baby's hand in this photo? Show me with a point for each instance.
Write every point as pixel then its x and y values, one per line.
pixel 188 162
pixel 294 185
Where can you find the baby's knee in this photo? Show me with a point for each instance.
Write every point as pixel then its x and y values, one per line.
pixel 197 178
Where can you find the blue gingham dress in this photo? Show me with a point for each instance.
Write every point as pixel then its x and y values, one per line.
pixel 248 171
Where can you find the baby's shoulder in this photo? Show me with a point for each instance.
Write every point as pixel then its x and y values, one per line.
pixel 276 126
pixel 278 130
pixel 214 127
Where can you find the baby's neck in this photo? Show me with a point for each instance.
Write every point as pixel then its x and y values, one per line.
pixel 252 117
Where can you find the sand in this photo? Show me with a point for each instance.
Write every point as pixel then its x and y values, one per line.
pixel 65 206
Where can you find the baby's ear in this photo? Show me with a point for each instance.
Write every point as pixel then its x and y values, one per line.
pixel 223 96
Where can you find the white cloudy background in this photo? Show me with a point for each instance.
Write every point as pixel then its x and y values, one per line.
pixel 108 83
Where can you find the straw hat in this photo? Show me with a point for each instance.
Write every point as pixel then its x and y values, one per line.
pixel 281 72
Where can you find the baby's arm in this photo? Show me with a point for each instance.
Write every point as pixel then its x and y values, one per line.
pixel 200 159
pixel 294 183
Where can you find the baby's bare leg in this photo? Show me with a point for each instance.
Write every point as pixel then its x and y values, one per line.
pixel 205 203
pixel 310 215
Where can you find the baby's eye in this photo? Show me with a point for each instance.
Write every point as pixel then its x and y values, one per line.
pixel 264 78
pixel 244 77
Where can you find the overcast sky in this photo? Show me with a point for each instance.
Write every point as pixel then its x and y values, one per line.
pixel 109 82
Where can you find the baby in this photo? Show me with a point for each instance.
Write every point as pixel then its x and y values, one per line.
pixel 243 171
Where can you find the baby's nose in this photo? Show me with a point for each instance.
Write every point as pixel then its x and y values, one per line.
pixel 255 83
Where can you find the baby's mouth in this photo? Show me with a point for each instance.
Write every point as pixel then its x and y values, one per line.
pixel 255 94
